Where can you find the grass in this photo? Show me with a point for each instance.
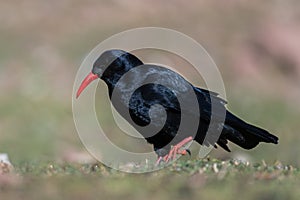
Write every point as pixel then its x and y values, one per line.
pixel 189 179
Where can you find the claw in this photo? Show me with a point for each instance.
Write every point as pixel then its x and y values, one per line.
pixel 175 150
pixel 189 152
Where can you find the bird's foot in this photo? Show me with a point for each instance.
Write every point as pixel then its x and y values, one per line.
pixel 175 150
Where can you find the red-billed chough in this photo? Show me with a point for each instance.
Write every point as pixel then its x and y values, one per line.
pixel 137 100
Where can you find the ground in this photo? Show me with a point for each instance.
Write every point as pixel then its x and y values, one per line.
pixel 188 179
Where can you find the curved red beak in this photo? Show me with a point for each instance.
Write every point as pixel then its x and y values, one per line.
pixel 88 79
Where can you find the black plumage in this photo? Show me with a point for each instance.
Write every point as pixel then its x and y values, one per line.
pixel 134 94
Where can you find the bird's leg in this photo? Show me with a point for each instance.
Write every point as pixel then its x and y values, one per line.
pixel 158 160
pixel 175 150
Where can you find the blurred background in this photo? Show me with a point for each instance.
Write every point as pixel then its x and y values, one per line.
pixel 255 44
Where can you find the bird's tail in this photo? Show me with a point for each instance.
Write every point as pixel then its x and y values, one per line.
pixel 243 134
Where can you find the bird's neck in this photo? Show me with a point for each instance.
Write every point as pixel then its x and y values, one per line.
pixel 111 78
pixel 117 70
pixel 111 82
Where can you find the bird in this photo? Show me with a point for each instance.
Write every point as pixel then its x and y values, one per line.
pixel 113 64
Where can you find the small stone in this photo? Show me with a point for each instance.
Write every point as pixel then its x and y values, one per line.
pixel 5 165
pixel 215 168
pixel 4 158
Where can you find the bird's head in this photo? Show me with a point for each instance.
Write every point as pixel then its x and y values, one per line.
pixel 110 66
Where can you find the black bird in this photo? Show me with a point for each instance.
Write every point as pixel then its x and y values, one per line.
pixel 113 64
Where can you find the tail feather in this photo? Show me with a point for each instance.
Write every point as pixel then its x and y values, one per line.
pixel 243 134
pixel 264 135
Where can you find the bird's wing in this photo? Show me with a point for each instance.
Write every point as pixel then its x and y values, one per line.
pixel 168 94
pixel 211 105
pixel 147 96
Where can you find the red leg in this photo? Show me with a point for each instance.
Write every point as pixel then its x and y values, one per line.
pixel 158 160
pixel 175 150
